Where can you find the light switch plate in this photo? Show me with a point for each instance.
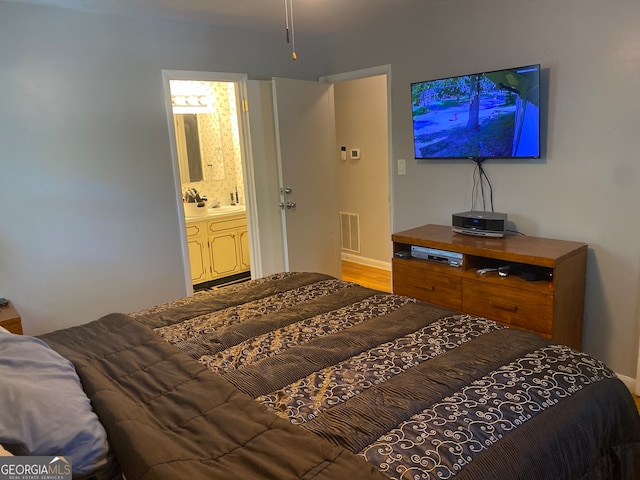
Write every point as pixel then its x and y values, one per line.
pixel 402 166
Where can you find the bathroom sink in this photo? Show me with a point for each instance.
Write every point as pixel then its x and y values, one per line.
pixel 226 209
pixel 192 210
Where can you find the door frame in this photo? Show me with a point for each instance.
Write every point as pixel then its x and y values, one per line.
pixel 374 72
pixel 240 80
pixel 636 390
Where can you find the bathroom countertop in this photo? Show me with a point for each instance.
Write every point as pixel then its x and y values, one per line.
pixel 218 212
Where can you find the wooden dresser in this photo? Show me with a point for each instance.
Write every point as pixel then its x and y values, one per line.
pixel 543 292
pixel 10 319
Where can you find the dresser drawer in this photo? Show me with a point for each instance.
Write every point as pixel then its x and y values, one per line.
pixel 518 308
pixel 195 229
pixel 14 326
pixel 10 319
pixel 427 285
pixel 227 224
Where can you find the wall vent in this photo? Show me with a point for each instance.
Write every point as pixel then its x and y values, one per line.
pixel 350 231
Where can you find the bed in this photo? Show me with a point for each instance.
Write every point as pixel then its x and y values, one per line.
pixel 304 376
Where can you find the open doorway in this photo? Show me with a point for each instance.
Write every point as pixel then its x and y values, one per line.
pixel 286 160
pixel 364 174
pixel 212 177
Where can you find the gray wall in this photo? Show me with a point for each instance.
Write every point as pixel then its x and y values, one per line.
pixel 89 221
pixel 586 187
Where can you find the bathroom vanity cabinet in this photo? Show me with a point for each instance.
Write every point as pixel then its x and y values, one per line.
pixel 218 247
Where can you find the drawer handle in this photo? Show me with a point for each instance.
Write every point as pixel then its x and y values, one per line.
pixel 504 306
pixel 429 288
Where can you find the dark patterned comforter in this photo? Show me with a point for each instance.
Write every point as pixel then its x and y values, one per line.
pixel 366 384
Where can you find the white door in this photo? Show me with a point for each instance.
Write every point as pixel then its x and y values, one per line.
pixel 305 135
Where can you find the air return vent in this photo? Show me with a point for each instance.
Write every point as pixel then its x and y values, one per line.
pixel 350 231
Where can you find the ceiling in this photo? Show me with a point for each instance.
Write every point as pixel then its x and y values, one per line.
pixel 315 17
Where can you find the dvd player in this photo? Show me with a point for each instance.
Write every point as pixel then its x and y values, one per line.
pixel 453 259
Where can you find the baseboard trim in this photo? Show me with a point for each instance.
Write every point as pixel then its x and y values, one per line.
pixel 369 262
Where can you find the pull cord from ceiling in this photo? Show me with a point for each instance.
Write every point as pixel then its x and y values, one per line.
pixel 291 35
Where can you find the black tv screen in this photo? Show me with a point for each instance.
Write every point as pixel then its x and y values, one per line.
pixel 480 116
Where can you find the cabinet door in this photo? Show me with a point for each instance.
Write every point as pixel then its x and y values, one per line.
pixel 245 259
pixel 198 253
pixel 223 248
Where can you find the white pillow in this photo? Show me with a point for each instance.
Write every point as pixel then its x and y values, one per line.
pixel 44 410
pixel 4 330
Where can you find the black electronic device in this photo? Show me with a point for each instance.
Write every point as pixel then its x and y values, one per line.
pixel 482 224
pixel 453 259
pixel 4 302
pixel 484 115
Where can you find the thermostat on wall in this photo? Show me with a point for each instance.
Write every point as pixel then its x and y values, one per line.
pixel 354 154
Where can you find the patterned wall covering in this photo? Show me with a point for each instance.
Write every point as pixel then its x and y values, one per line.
pixel 219 139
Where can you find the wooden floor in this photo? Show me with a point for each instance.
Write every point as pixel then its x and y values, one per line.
pixel 370 277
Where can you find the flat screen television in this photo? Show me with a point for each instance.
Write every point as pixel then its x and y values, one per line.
pixel 480 116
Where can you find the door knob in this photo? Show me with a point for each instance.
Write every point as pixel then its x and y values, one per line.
pixel 288 189
pixel 291 205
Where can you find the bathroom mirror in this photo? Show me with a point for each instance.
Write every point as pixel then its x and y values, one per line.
pixel 188 145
